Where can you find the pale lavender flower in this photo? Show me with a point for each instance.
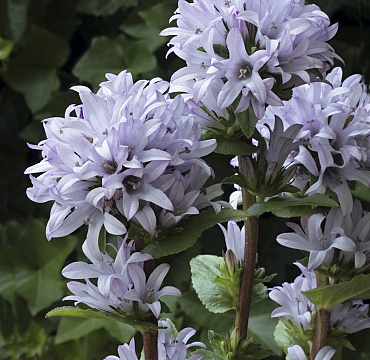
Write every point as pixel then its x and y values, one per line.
pixel 115 155
pixel 296 310
pixel 248 44
pixel 234 239
pixel 295 352
pixel 320 234
pixel 295 307
pixel 335 119
pixel 125 352
pixel 169 346
pixel 174 346
pixel 121 282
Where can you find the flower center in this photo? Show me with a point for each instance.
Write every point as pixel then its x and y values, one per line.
pixel 132 183
pixel 245 73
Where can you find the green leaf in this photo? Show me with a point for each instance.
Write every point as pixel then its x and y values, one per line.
pixel 74 328
pixel 30 266
pixel 278 204
pixel 103 7
pixel 215 297
pixel 128 319
pixel 208 355
pixel 13 18
pixel 33 70
pixel 234 147
pixel 181 238
pixel 6 48
pixel 261 325
pixel 107 55
pixel 247 121
pixel 157 16
pixel 328 297
pixel 285 337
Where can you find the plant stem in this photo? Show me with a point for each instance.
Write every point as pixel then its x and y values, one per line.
pixel 249 263
pixel 321 322
pixel 150 338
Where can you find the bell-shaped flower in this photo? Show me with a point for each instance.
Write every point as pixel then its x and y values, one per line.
pixel 108 158
pixel 295 352
pixel 335 120
pixel 146 291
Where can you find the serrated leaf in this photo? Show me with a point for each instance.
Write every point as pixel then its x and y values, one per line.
pixel 215 297
pixel 185 236
pixel 128 319
pixel 328 297
pixel 234 147
pixel 285 338
pixel 278 204
pixel 247 121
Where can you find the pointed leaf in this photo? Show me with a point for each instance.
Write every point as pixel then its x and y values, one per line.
pixel 234 147
pixel 328 297
pixel 128 319
pixel 247 121
pixel 278 204
pixel 181 238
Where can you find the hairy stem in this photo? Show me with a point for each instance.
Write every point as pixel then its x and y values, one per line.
pixel 321 323
pixel 150 338
pixel 249 263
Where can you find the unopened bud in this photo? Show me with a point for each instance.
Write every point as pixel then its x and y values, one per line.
pixel 235 338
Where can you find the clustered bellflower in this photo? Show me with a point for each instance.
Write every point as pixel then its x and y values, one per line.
pixel 240 49
pixel 169 346
pixel 334 242
pixel 296 311
pixel 296 353
pixel 335 119
pixel 121 282
pixel 129 152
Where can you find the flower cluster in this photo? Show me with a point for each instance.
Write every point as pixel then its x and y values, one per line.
pixel 242 48
pixel 169 346
pixel 296 310
pixel 121 282
pixel 336 243
pixel 129 152
pixel 335 119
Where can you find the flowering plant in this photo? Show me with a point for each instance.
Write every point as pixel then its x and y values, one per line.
pixel 131 163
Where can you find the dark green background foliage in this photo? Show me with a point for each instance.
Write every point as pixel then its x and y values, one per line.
pixel 47 46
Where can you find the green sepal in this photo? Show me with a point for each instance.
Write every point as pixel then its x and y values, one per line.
pixel 237 179
pixel 279 205
pixel 231 348
pixel 234 147
pixel 129 319
pixel 247 121
pixel 329 296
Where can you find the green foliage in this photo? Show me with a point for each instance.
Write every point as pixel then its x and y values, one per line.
pixel 214 296
pixel 328 297
pixel 234 147
pixel 247 121
pixel 181 238
pixel 6 48
pixel 107 55
pixel 103 7
pixel 128 319
pixel 284 206
pixel 33 70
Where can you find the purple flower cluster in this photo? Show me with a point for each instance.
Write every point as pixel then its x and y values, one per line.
pixel 169 346
pixel 296 310
pixel 335 119
pixel 121 282
pixel 333 240
pixel 129 152
pixel 237 49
